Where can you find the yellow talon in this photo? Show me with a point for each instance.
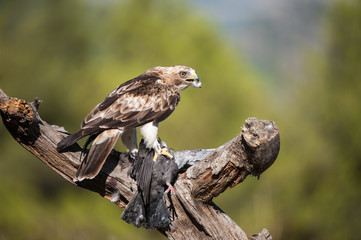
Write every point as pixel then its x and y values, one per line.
pixel 166 152
pixel 163 151
pixel 156 155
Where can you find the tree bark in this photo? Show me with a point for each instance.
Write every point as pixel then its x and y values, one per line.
pixel 212 171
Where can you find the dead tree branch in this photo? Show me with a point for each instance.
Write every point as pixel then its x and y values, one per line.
pixel 211 172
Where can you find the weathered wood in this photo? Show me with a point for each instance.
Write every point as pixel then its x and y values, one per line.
pixel 211 173
pixel 232 162
pixel 264 235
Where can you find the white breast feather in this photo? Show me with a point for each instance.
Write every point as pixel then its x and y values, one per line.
pixel 149 132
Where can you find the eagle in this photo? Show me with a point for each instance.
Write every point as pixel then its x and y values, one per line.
pixel 143 102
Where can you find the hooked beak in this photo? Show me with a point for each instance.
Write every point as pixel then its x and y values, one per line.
pixel 195 81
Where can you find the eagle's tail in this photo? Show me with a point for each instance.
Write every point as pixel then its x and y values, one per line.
pixel 70 140
pixel 98 153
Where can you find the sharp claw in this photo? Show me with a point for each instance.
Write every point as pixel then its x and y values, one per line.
pixel 156 155
pixel 165 152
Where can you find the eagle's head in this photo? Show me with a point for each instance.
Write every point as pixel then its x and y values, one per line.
pixel 181 76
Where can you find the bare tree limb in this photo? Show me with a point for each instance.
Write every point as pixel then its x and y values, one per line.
pixel 212 171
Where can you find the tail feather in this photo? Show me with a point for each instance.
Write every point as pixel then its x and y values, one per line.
pixel 98 153
pixel 135 212
pixel 70 140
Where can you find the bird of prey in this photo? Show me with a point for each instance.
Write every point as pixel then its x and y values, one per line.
pixel 142 101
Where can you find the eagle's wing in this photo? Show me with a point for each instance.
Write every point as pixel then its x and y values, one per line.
pixel 132 104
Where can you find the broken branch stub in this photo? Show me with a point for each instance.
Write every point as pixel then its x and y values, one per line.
pixel 251 152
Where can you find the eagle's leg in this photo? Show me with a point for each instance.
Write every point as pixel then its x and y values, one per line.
pixel 165 152
pixel 129 139
pixel 149 132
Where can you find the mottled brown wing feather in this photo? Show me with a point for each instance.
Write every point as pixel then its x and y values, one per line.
pixel 131 85
pixel 134 104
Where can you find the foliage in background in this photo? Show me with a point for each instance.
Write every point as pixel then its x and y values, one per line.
pixel 321 199
pixel 72 53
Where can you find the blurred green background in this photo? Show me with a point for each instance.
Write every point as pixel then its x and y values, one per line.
pixel 71 54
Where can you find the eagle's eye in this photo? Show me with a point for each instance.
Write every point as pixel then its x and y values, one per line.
pixel 183 74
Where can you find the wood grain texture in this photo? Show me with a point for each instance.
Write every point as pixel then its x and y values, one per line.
pixel 211 171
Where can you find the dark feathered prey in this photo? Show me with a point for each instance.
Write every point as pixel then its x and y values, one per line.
pixel 143 101
pixel 148 208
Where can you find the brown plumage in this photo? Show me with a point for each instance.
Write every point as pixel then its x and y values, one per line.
pixel 142 101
